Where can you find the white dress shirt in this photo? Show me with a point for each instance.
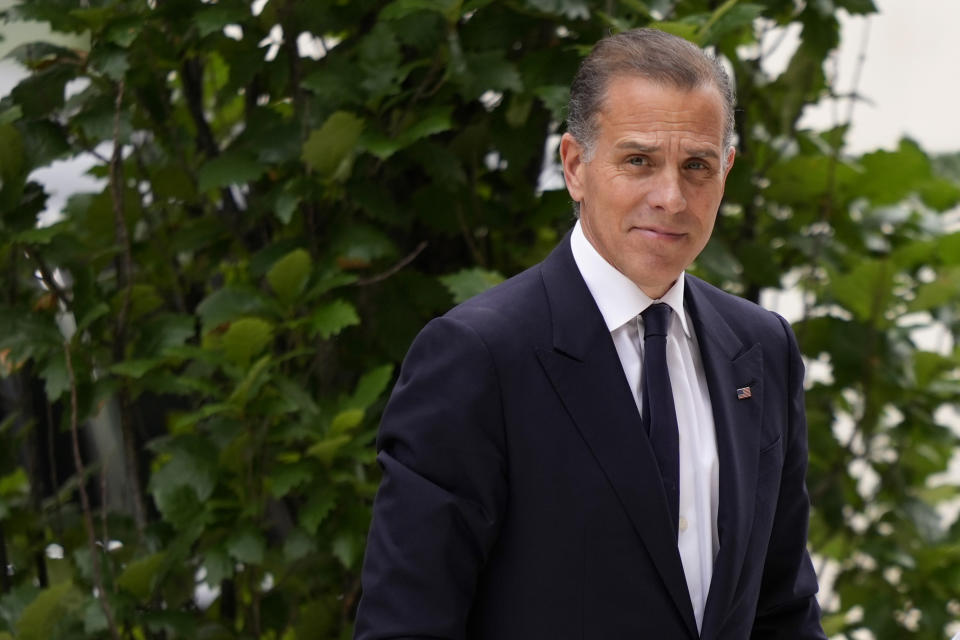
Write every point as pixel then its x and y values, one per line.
pixel 621 302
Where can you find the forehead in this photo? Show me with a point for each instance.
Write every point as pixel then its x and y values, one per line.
pixel 633 105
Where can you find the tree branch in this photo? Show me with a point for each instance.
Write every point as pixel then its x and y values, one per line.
pixel 46 275
pixel 124 269
pixel 85 499
pixel 395 268
pixel 192 73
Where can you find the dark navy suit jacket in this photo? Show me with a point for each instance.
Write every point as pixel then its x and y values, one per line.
pixel 521 499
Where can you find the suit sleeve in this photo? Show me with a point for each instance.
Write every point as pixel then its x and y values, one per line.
pixel 441 498
pixel 788 606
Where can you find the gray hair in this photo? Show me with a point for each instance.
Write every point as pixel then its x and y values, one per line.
pixel 651 54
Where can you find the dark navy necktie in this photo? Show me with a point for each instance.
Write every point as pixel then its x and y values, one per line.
pixel 659 413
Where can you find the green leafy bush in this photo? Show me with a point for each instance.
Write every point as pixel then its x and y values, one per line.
pixel 216 329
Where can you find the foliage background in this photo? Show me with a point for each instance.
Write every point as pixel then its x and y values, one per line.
pixel 196 356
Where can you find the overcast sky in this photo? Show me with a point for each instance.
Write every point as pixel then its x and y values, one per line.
pixel 910 75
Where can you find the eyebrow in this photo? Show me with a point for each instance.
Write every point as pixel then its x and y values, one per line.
pixel 705 152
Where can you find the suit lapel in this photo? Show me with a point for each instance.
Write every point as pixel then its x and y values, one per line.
pixel 587 375
pixel 729 365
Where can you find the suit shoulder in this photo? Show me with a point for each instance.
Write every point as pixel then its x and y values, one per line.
pixel 510 306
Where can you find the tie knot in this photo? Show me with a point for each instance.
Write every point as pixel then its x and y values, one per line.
pixel 655 319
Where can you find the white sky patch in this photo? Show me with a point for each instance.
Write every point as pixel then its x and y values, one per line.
pixel 256 8
pixel 233 31
pixel 907 80
pixel 310 46
pixel 273 40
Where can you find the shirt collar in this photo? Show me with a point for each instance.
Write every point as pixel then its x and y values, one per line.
pixel 618 298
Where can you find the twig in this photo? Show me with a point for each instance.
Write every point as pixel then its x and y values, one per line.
pixel 125 261
pixel 395 268
pixel 192 74
pixel 85 499
pixel 124 268
pixel 827 206
pixel 52 465
pixel 46 275
pixel 858 71
pixel 104 531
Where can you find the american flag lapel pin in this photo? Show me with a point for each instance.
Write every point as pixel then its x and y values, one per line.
pixel 743 393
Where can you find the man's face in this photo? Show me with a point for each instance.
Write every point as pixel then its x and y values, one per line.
pixel 649 194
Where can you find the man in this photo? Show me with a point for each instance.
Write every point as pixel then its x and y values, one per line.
pixel 541 480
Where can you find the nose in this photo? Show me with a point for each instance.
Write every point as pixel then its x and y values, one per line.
pixel 666 192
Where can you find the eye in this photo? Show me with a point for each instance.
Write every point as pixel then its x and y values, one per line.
pixel 697 165
pixel 638 161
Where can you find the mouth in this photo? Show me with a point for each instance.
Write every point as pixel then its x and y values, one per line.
pixel 659 233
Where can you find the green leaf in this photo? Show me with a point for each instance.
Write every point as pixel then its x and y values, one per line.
pixel 192 463
pixel 109 60
pixel 948 248
pixel 571 9
pixel 289 476
pixel 246 338
pixel 213 18
pixel 41 617
pixel 317 509
pixel 554 98
pixel 332 318
pixel 467 283
pixel 285 205
pixel 184 422
pixel 434 121
pixel 403 8
pixel 686 30
pixel 857 7
pixel 332 144
pixel 55 375
pixel 93 314
pixel 327 449
pixel 43 142
pixel 42 92
pixel 14 483
pixel 488 71
pixel 179 506
pixel 732 15
pixel 163 332
pixel 943 290
pixel 298 545
pixel 229 303
pixel 300 400
pixel 251 381
pixel 218 566
pixel 346 421
pixel 140 576
pixel 379 56
pixel 370 387
pixel 231 167
pixel 136 368
pixel 124 31
pixel 358 245
pixel 867 290
pixel 288 276
pixel 927 366
pixel 144 298
pixel 94 620
pixel 247 546
pixel 345 549
pixel 889 176
pixel 11 155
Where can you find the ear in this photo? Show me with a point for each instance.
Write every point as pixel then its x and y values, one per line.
pixel 572 157
pixel 731 154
